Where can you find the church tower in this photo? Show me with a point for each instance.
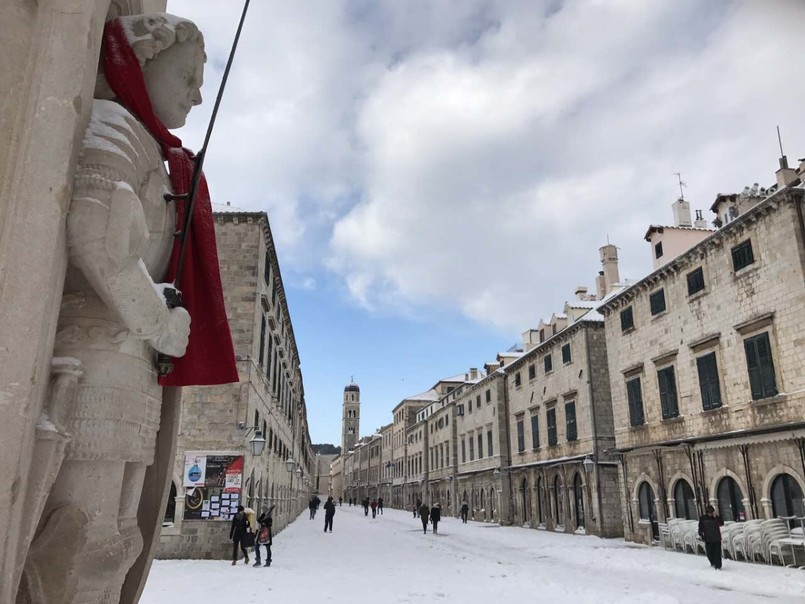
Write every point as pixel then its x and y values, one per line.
pixel 351 419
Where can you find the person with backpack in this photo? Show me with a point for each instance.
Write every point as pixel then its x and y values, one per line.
pixel 380 505
pixel 237 532
pixel 265 537
pixel 465 509
pixel 329 512
pixel 435 516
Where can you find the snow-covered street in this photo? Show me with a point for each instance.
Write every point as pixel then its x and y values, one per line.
pixel 389 559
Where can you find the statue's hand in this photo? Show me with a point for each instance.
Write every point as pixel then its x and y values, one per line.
pixel 172 340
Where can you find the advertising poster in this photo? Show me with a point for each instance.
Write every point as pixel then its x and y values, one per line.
pixel 195 468
pixel 216 494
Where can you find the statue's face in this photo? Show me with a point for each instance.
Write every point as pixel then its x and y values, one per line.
pixel 173 79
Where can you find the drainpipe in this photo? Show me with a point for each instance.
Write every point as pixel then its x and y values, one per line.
pixel 505 415
pixel 752 501
pixel 600 512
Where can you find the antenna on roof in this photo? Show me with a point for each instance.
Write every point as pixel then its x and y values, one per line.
pixel 681 184
pixel 783 158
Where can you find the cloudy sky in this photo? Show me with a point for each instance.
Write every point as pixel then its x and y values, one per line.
pixel 439 175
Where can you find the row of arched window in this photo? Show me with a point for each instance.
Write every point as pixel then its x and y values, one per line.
pixel 786 499
pixel 551 502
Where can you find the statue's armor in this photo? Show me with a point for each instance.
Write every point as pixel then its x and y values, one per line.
pixel 118 199
pixel 119 234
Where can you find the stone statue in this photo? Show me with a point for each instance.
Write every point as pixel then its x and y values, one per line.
pixel 113 321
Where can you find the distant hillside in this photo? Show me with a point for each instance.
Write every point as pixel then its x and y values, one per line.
pixel 326 449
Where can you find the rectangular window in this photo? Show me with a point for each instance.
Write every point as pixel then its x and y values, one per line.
pixel 742 255
pixel 635 396
pixel 480 445
pixel 535 431
pixel 695 281
pixel 469 406
pixel 760 366
pixel 708 381
pixel 267 270
pixel 657 302
pixel 261 355
pixel 552 438
pixel 566 358
pixel 489 449
pixel 627 319
pixel 668 400
pixel 463 451
pixel 520 435
pixel 532 372
pixel 570 421
pixel 517 381
pixel 472 448
pixel 548 363
pixel 478 401
pixel 488 396
pixel 658 249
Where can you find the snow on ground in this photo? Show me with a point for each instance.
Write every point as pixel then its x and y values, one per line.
pixel 389 560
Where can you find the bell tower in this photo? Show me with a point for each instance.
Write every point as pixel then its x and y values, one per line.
pixel 351 418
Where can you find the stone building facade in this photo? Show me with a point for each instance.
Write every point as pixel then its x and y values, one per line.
pixel 562 476
pixel 268 400
pixel 707 372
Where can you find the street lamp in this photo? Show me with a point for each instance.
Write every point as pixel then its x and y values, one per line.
pixel 290 464
pixel 257 443
pixel 588 464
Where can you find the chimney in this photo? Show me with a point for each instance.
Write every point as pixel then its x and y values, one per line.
pixel 681 210
pixel 609 262
pixel 581 292
pixel 473 373
pixel 700 223
pixel 600 285
pixel 785 175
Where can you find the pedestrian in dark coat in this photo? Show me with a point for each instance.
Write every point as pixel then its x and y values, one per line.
pixel 237 531
pixel 424 512
pixel 365 503
pixel 265 535
pixel 380 505
pixel 373 505
pixel 340 501
pixel 435 517
pixel 465 509
pixel 416 507
pixel 329 512
pixel 710 532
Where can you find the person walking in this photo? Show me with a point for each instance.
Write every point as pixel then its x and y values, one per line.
pixel 465 509
pixel 380 505
pixel 710 532
pixel 436 516
pixel 365 503
pixel 417 506
pixel 373 505
pixel 340 501
pixel 329 512
pixel 311 506
pixel 424 511
pixel 237 532
pixel 265 523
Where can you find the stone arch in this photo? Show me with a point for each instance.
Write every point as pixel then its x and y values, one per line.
pixel 640 479
pixel 669 493
pixel 726 473
pixel 775 472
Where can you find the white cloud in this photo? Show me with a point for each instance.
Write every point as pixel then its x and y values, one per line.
pixel 474 156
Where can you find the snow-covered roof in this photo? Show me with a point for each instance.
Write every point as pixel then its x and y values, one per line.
pixel 658 228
